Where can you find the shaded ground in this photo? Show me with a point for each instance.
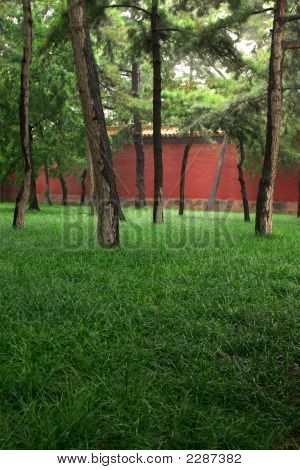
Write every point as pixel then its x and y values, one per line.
pixel 187 337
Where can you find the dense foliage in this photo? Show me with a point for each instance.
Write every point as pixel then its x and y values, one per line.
pixel 214 71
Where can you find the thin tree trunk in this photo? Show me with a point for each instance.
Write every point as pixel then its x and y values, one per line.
pixel 185 154
pixel 23 195
pixel 242 181
pixel 91 179
pixel 157 146
pixel 264 204
pixel 64 188
pixel 298 144
pixel 47 193
pixel 46 172
pixel 33 201
pixel 216 184
pixel 121 213
pixel 108 205
pixel 140 200
pixel 83 189
pixel 182 176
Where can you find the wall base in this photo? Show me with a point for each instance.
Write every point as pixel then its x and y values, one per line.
pixel 197 204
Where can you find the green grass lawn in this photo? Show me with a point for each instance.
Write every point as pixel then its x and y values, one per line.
pixel 185 338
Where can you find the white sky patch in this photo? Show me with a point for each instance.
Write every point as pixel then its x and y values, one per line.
pixel 50 12
pixel 246 46
pixel 183 69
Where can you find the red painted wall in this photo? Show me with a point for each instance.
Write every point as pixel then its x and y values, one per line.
pixel 74 186
pixel 200 173
pixel 201 169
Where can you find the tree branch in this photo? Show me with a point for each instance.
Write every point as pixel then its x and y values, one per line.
pixel 218 71
pixel 264 10
pixel 127 5
pixel 291 44
pixel 288 19
pixel 171 29
pixel 290 89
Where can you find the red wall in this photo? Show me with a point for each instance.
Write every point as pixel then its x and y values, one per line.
pixel 201 169
pixel 74 186
pixel 200 173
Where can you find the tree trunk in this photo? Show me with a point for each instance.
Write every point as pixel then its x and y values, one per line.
pixel 121 213
pixel 264 204
pixel 33 201
pixel 64 188
pixel 157 146
pixel 23 195
pixel 182 176
pixel 108 206
pixel 83 190
pixel 215 187
pixel 47 193
pixel 298 143
pixel 140 200
pixel 242 181
pixel 92 194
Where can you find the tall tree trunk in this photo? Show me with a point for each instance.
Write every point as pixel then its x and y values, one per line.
pixel 298 144
pixel 83 190
pixel 33 201
pixel 185 154
pixel 108 205
pixel 47 193
pixel 23 195
pixel 182 176
pixel 140 200
pixel 64 188
pixel 92 194
pixel 264 204
pixel 46 171
pixel 157 146
pixel 216 184
pixel 120 210
pixel 242 181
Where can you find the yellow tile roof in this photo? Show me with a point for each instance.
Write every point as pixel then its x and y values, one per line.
pixel 167 132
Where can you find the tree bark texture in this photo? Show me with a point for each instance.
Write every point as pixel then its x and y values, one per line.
pixel 213 194
pixel 47 193
pixel 92 194
pixel 33 201
pixel 182 176
pixel 264 204
pixel 83 189
pixel 140 200
pixel 23 195
pixel 108 206
pixel 242 182
pixel 295 44
pixel 64 189
pixel 157 146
